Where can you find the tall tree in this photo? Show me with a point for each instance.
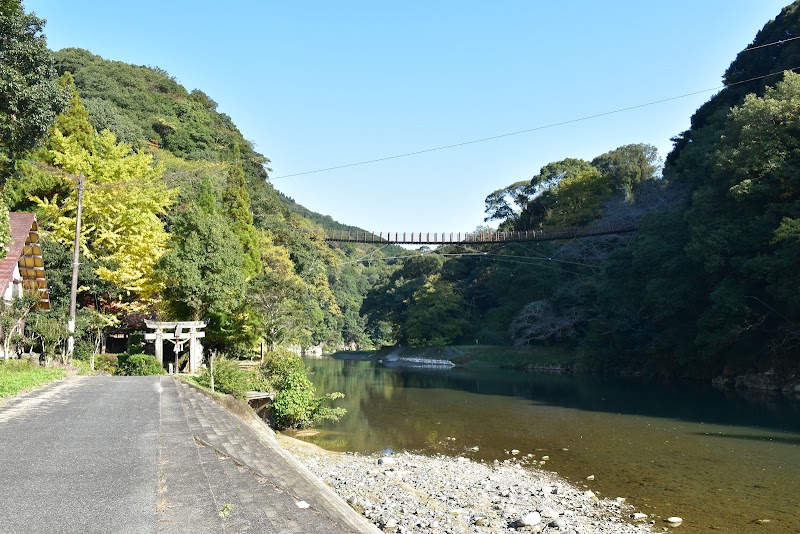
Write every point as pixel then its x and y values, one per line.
pixel 236 202
pixel 201 271
pixel 629 166
pixel 124 201
pixel 741 223
pixel 30 96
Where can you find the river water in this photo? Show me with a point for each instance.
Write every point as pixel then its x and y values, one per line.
pixel 719 460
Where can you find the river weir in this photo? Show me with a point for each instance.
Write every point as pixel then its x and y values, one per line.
pixel 715 459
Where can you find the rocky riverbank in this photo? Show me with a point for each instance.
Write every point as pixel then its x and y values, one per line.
pixel 411 493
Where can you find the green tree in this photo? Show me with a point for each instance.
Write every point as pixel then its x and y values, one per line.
pixel 74 121
pixel 93 327
pixel 740 222
pixel 628 166
pixel 236 203
pixel 30 96
pixel 434 315
pixel 12 320
pixel 277 295
pixel 201 271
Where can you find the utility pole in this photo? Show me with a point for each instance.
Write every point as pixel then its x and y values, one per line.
pixel 76 252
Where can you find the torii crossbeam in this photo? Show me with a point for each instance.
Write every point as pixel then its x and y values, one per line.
pixel 178 333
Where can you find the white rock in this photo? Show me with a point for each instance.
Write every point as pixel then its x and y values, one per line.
pixel 514 451
pixel 638 515
pixel 385 461
pixel 529 519
pixel 545 457
pixel 590 477
pixel 674 520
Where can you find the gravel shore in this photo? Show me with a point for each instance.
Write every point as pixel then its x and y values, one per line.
pixel 409 493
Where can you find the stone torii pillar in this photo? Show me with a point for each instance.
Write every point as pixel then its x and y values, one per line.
pixel 178 333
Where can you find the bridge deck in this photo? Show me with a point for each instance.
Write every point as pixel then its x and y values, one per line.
pixel 453 238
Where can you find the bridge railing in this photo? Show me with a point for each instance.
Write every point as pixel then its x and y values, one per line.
pixel 445 238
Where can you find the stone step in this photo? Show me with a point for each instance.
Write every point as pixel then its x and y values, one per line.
pixel 261 489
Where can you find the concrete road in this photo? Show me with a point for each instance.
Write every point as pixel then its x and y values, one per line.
pixel 81 456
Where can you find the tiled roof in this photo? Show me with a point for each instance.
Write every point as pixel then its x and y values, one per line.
pixel 25 252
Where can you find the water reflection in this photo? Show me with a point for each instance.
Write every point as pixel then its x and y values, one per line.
pixel 662 446
pixel 694 403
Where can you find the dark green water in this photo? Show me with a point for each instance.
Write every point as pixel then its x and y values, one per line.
pixel 721 461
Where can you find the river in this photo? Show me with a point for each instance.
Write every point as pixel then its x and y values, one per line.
pixel 719 460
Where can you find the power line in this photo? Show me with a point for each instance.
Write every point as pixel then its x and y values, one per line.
pixel 528 130
pixel 782 41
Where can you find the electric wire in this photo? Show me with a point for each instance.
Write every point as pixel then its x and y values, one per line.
pixel 528 130
pixel 773 43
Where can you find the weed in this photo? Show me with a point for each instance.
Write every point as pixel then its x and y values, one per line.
pixel 226 510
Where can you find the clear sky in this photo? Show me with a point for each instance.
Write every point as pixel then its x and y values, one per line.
pixel 319 84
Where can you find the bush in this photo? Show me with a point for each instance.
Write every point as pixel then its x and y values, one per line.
pixel 106 363
pixel 228 377
pixel 139 365
pixel 296 403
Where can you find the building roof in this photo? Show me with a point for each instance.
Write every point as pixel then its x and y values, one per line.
pixel 25 252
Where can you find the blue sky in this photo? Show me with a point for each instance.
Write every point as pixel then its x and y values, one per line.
pixel 320 84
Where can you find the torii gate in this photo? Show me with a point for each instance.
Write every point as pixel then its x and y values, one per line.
pixel 178 333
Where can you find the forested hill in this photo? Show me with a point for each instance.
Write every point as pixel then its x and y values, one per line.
pixel 709 283
pixel 180 220
pixel 149 109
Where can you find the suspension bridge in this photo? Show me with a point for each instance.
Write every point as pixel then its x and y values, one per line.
pixel 478 237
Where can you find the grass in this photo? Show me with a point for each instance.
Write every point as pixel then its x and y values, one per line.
pixel 21 375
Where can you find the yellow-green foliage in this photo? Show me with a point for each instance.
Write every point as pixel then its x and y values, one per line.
pixel 123 200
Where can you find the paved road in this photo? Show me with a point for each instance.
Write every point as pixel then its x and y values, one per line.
pixel 151 455
pixel 81 456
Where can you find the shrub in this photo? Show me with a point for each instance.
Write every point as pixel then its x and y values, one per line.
pixel 139 365
pixel 296 403
pixel 228 377
pixel 106 363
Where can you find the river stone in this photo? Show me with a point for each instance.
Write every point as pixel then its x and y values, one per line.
pixel 481 521
pixel 385 461
pixel 558 523
pixel 638 515
pixel 548 513
pixel 529 520
pixel 590 477
pixel 674 520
